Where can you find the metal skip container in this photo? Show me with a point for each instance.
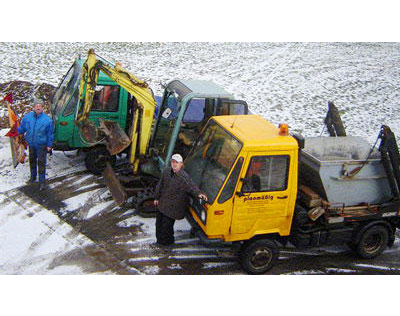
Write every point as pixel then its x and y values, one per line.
pixel 336 169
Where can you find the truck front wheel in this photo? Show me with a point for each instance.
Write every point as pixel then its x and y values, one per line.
pixel 259 256
pixel 373 242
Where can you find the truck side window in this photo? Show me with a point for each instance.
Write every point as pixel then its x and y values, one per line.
pixel 106 99
pixel 267 173
pixel 70 108
pixel 231 109
pixel 195 111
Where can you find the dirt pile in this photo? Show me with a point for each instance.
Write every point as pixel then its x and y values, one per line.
pixel 23 93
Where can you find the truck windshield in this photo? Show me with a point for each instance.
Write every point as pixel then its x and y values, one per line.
pixel 194 119
pixel 65 90
pixel 212 158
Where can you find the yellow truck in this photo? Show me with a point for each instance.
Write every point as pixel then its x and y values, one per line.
pixel 267 188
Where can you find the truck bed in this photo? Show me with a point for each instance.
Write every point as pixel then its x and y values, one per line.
pixel 337 169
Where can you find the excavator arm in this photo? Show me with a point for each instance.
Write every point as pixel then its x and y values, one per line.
pixel 143 113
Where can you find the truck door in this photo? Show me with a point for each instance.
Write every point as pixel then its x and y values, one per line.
pixel 108 103
pixel 263 200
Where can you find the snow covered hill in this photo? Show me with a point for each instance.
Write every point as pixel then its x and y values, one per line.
pixel 284 82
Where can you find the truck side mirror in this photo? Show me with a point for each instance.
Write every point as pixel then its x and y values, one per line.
pixel 254 183
pixel 246 182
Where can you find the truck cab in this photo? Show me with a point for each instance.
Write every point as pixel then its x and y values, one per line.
pixel 248 169
pixel 110 103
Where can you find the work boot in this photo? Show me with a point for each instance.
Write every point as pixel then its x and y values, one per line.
pixel 158 246
pixel 30 181
pixel 166 246
pixel 154 245
pixel 42 186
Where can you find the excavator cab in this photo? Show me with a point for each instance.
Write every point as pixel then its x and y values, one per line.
pixel 110 102
pixel 186 107
pixel 104 120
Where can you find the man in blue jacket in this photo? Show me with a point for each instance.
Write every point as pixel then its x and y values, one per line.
pixel 38 130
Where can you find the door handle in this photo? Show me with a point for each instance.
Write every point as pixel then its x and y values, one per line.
pixel 282 197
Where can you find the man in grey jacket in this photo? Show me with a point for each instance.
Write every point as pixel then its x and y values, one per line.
pixel 171 199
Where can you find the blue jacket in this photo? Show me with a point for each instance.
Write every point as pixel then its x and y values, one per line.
pixel 38 129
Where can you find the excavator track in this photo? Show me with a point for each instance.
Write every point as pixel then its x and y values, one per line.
pixel 144 203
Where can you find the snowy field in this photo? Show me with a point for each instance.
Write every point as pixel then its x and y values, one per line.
pixel 283 82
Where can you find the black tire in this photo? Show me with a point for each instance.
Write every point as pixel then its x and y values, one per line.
pixel 147 209
pixel 259 256
pixel 96 159
pixel 144 203
pixel 373 242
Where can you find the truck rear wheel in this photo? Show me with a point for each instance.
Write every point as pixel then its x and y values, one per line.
pixel 373 242
pixel 259 256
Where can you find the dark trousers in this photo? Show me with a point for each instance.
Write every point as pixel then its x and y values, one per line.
pixel 37 162
pixel 164 229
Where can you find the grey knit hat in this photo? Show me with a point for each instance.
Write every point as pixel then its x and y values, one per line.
pixel 37 101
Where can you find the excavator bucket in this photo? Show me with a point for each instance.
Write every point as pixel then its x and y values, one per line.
pixel 116 139
pixel 114 185
pixel 88 131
